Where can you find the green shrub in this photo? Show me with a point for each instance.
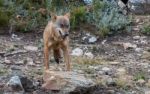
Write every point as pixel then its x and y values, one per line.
pixel 4 19
pixel 107 18
pixel 146 29
pixel 78 16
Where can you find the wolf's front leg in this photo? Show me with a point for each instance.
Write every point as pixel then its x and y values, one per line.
pixel 66 58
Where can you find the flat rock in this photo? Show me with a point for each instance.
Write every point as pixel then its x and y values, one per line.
pixel 92 39
pixel 31 48
pixel 77 52
pixel 89 55
pixel 6 61
pixel 14 85
pixel 114 63
pixel 129 45
pixel 136 37
pixel 64 81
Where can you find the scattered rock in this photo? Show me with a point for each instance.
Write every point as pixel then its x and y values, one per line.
pixel 92 39
pixel 129 45
pixel 31 48
pixel 14 85
pixel 14 36
pixel 30 62
pixel 114 63
pixel 21 62
pixel 144 42
pixel 141 82
pixel 106 69
pixel 6 61
pixel 136 29
pixel 110 82
pixel 77 52
pixel 121 71
pixel 89 55
pixel 136 37
pixel 103 42
pixel 84 38
pixel 137 20
pixel 138 49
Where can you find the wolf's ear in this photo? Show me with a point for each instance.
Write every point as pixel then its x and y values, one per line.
pixel 53 17
pixel 67 15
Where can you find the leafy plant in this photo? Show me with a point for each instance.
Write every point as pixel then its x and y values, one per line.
pixel 139 76
pixel 107 17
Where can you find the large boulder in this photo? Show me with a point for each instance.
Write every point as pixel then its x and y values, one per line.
pixel 64 81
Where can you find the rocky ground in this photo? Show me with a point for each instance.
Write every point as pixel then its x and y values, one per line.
pixel 116 65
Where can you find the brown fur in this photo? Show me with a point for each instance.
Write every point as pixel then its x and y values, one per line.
pixel 56 39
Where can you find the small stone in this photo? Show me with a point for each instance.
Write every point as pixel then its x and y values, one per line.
pixel 114 63
pixel 14 85
pixel 31 48
pixel 110 82
pixel 38 62
pixel 92 39
pixel 137 20
pixel 121 71
pixel 147 92
pixel 77 52
pixel 20 62
pixel 6 61
pixel 106 69
pixel 136 37
pixel 136 29
pixel 141 81
pixel 144 42
pixel 138 49
pixel 89 55
pixel 103 42
pixel 84 38
pixel 129 45
pixel 30 62
pixel 14 36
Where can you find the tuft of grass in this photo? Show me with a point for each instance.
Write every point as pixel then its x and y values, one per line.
pixel 139 75
pixel 89 61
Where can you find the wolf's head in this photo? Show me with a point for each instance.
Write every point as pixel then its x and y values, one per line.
pixel 61 25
